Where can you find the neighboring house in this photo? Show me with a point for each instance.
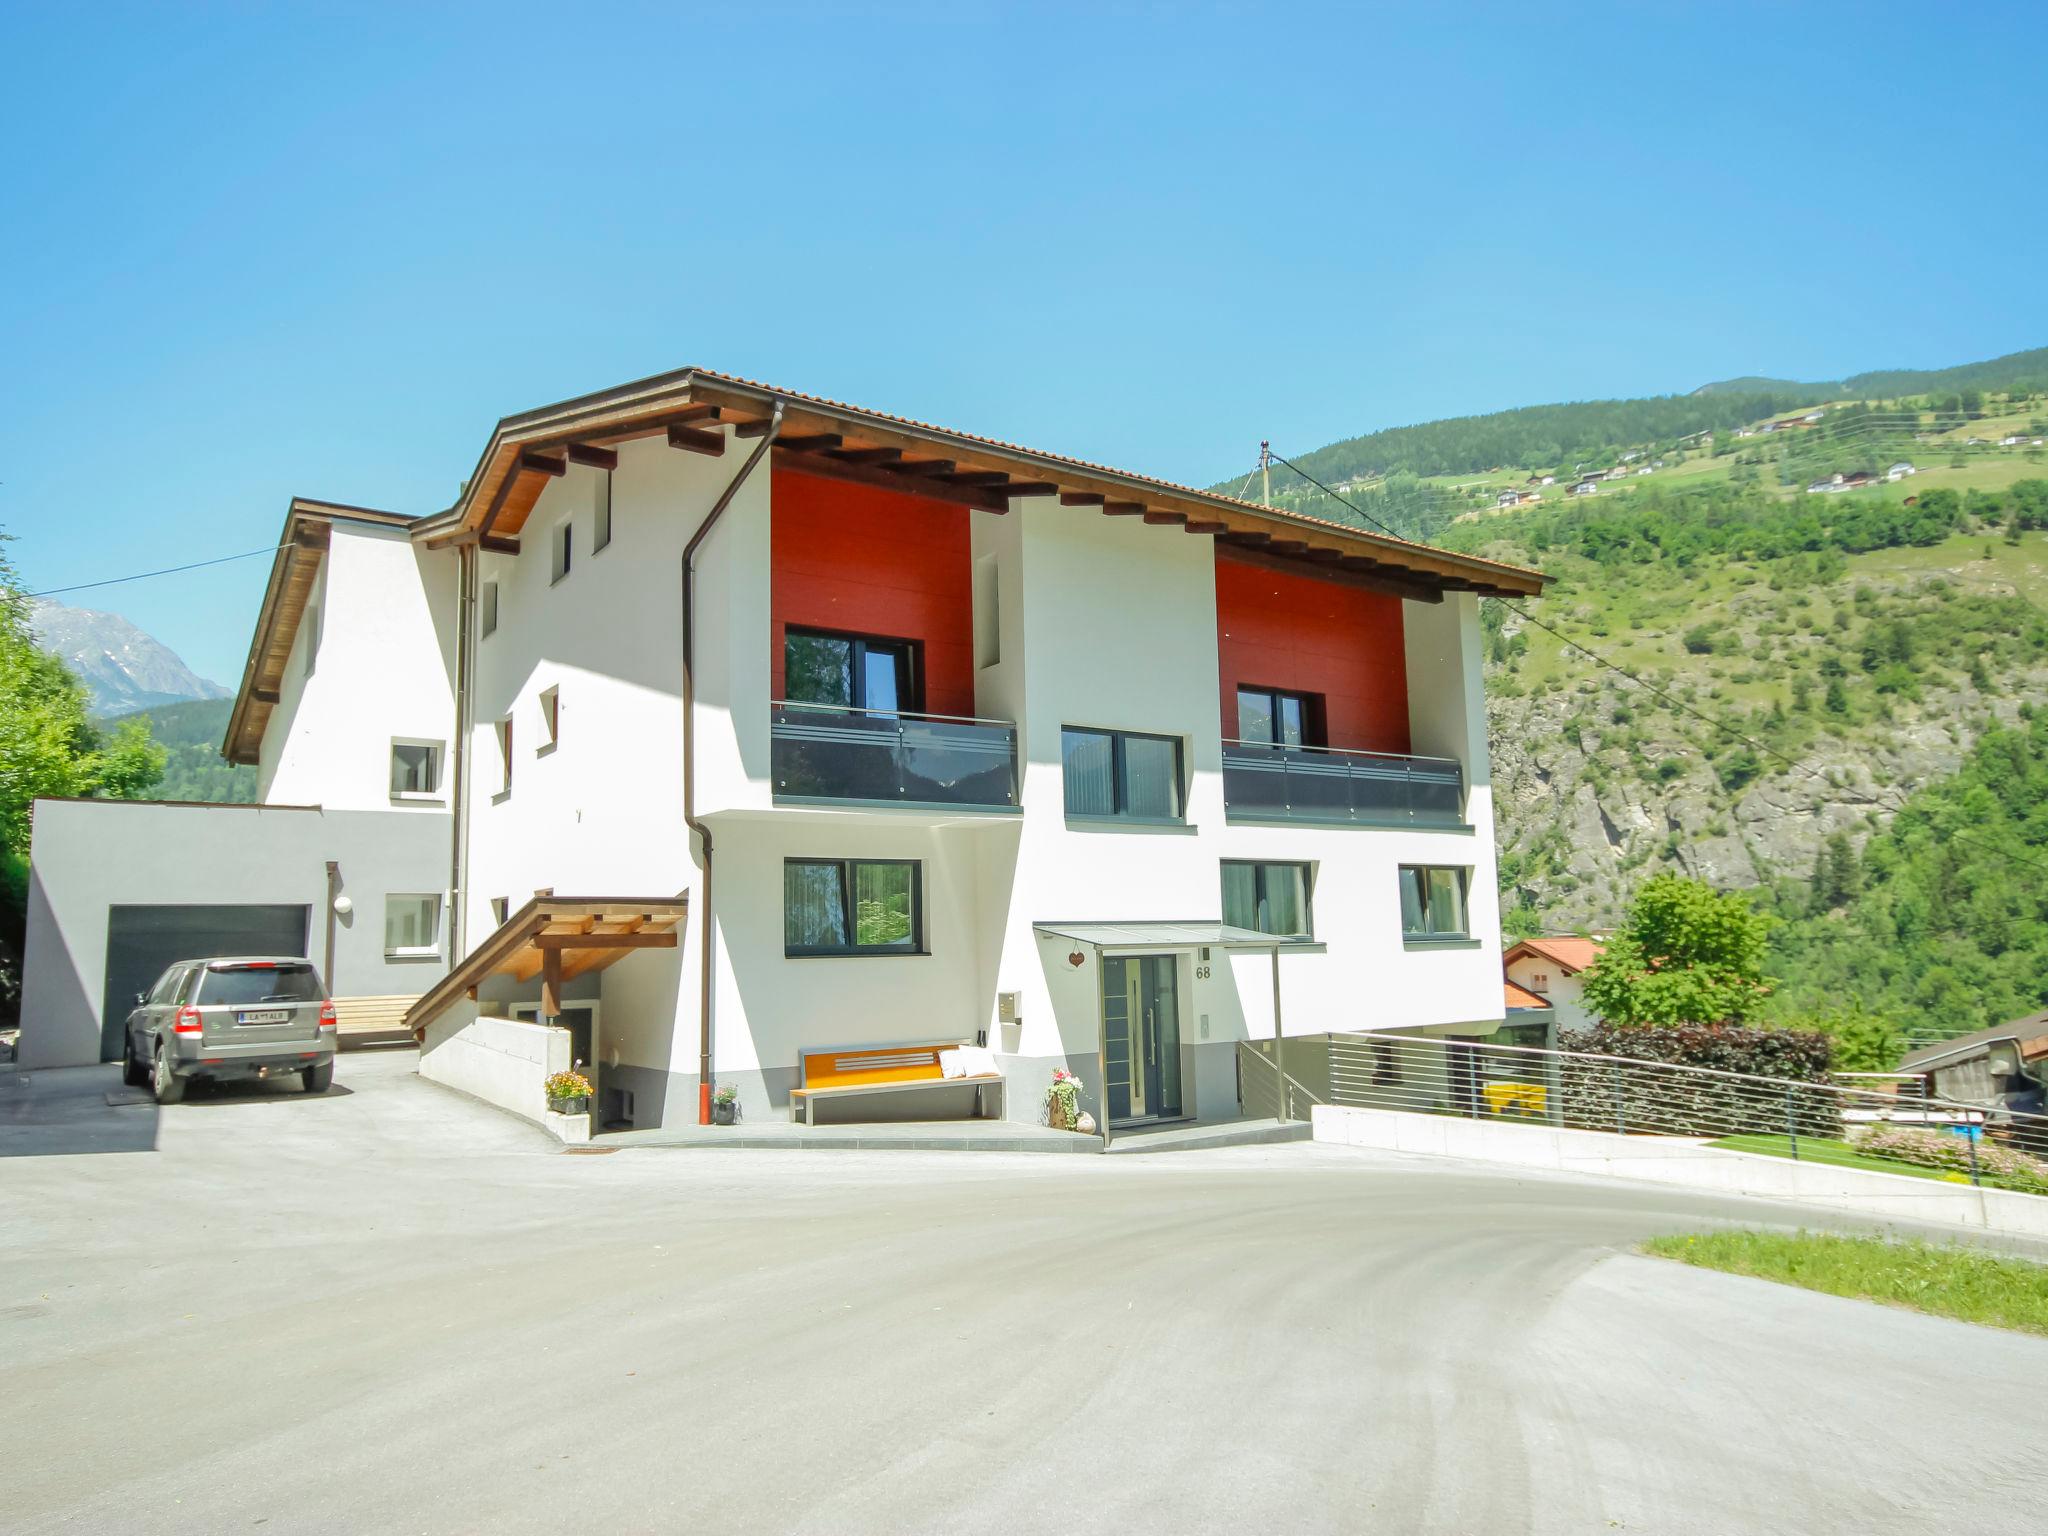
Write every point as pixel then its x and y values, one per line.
pixel 1587 487
pixel 1899 471
pixel 917 735
pixel 1551 969
pixel 1849 482
pixel 346 861
pixel 1517 499
pixel 2006 1065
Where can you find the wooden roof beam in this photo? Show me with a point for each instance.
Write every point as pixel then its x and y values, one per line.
pixel 930 468
pixel 541 463
pixel 1082 499
pixel 1159 519
pixel 866 455
pixel 1029 488
pixel 1123 509
pixel 697 440
pixel 1197 525
pixel 498 544
pixel 592 457
pixel 810 442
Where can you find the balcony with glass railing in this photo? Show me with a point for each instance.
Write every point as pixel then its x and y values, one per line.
pixel 1329 787
pixel 829 754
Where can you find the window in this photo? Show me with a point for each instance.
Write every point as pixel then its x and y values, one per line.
pixel 501 909
pixel 1433 902
pixel 412 925
pixel 1267 898
pixel 240 985
pixel 852 907
pixel 1266 716
pixel 851 671
pixel 601 524
pixel 489 606
pixel 563 543
pixel 415 769
pixel 1540 982
pixel 988 613
pixel 504 729
pixel 550 720
pixel 312 637
pixel 1121 774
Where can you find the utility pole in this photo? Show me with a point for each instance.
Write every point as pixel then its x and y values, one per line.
pixel 1265 474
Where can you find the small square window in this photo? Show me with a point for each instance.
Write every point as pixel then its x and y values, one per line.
pixel 1121 774
pixel 1268 898
pixel 550 720
pixel 412 926
pixel 415 770
pixel 488 606
pixel 601 523
pixel 564 546
pixel 504 730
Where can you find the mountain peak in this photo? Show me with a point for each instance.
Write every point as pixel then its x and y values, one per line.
pixel 123 667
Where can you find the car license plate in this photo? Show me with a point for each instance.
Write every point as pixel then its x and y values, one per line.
pixel 264 1016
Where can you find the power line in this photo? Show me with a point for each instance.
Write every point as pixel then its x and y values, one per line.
pixel 169 570
pixel 1813 771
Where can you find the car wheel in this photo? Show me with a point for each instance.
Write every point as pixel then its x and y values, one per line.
pixel 167 1085
pixel 132 1072
pixel 319 1079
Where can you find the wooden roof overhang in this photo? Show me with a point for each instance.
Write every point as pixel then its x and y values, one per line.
pixel 587 933
pixel 699 411
pixel 308 529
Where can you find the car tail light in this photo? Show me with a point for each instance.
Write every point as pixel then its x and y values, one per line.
pixel 187 1021
pixel 327 1018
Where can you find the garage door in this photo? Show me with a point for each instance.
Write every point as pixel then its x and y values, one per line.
pixel 141 941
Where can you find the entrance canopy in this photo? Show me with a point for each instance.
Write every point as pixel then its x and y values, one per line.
pixel 557 938
pixel 1135 937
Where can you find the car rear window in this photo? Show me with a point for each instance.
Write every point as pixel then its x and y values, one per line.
pixel 247 985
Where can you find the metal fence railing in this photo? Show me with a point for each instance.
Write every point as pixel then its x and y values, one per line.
pixel 1879 1126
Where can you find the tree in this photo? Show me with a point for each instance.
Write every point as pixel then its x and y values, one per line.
pixel 48 745
pixel 1688 954
pixel 1837 697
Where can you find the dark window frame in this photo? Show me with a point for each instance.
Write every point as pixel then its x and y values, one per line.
pixel 848 900
pixel 1314 720
pixel 601 515
pixel 1308 891
pixel 1120 787
pixel 1425 935
pixel 909 671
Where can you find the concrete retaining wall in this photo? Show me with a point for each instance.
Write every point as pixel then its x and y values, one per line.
pixel 1674 1160
pixel 501 1061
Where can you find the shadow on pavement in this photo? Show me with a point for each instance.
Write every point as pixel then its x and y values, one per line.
pixel 63 1112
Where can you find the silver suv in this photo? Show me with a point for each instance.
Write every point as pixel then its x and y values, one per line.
pixel 247 1016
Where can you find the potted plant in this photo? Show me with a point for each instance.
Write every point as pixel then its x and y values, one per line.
pixel 725 1105
pixel 568 1093
pixel 1063 1101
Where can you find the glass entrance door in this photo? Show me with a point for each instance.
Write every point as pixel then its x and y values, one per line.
pixel 1141 1037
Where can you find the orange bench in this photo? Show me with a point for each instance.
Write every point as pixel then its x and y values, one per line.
pixel 880 1069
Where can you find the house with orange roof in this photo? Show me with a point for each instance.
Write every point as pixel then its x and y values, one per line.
pixel 1550 969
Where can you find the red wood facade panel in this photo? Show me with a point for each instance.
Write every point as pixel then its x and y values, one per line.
pixel 1304 635
pixel 865 560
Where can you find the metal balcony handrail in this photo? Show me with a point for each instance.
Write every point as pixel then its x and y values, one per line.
pixel 886 714
pixel 1392 757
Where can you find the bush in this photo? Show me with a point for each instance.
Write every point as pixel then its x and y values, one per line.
pixel 1923 1148
pixel 1600 1096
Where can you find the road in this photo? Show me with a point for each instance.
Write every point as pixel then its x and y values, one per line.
pixel 390 1308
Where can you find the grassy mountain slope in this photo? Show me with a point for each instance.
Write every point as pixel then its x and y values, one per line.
pixel 195 770
pixel 2016 370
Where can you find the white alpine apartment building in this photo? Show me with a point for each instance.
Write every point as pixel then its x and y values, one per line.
pixel 750 723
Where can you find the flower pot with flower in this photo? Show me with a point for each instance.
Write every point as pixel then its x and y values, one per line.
pixel 568 1093
pixel 725 1105
pixel 1063 1101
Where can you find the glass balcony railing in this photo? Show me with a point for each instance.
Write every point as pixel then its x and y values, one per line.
pixel 823 754
pixel 1262 782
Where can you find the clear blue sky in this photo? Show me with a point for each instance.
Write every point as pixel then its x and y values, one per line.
pixel 247 252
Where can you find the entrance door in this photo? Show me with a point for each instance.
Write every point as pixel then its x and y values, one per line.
pixel 1141 1037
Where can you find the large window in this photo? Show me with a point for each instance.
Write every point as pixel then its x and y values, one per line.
pixel 1122 774
pixel 1267 898
pixel 1268 717
pixel 852 907
pixel 851 671
pixel 1433 902
pixel 415 769
pixel 412 925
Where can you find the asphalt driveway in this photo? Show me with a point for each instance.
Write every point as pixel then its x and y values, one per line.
pixel 388 1308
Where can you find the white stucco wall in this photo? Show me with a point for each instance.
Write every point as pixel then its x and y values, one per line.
pixel 505 1062
pixel 385 670
pixel 1564 991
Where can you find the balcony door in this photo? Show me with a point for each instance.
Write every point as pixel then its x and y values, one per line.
pixel 861 672
pixel 1269 717
pixel 1141 1038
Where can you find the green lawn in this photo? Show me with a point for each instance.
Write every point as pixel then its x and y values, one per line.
pixel 1946 1280
pixel 1834 1153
